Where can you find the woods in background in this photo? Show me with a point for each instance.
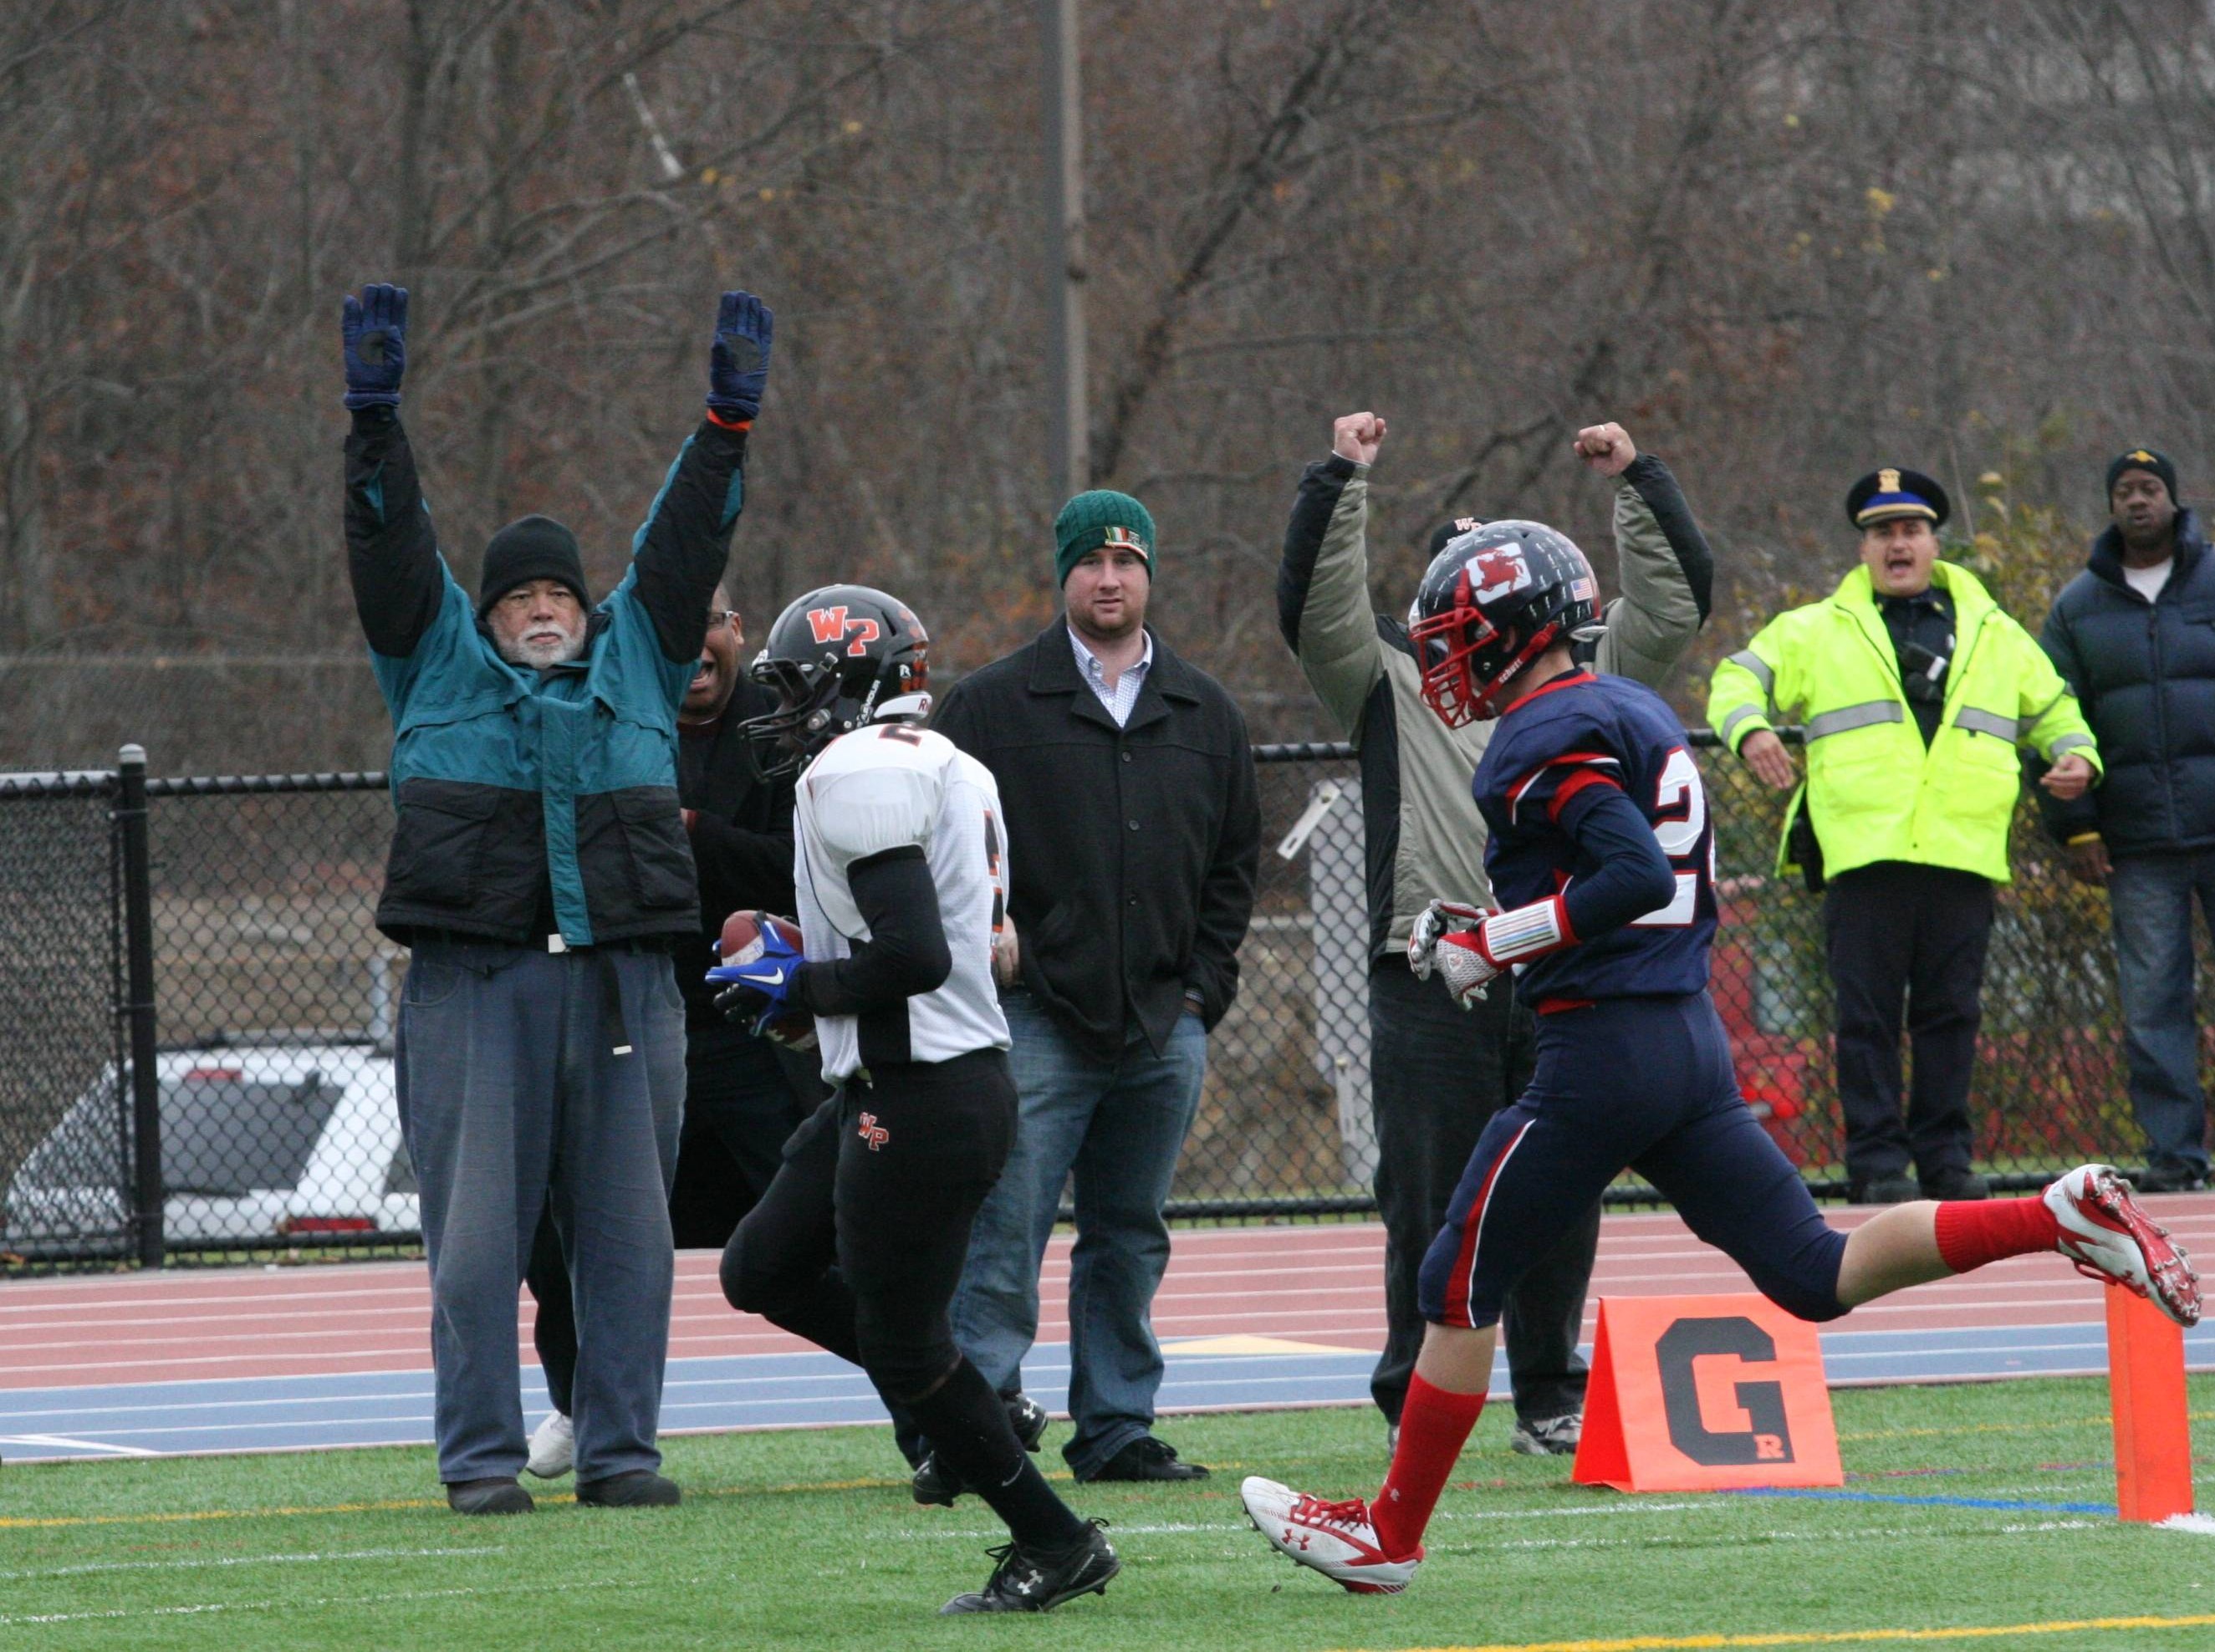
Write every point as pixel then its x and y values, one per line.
pixel 1786 238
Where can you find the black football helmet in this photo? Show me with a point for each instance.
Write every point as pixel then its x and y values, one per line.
pixel 1493 600
pixel 838 657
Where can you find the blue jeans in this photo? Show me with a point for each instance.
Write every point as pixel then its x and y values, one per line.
pixel 1119 1126
pixel 2151 898
pixel 513 1103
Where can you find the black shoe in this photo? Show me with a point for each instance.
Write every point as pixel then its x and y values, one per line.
pixel 2169 1178
pixel 1896 1188
pixel 1147 1458
pixel 497 1497
pixel 934 1484
pixel 640 1489
pixel 1956 1185
pixel 1038 1579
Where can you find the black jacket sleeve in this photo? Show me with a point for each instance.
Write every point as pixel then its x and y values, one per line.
pixel 687 540
pixel 906 953
pixel 392 552
pixel 1226 891
pixel 2079 815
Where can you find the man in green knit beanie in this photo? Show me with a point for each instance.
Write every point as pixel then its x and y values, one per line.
pixel 1099 519
pixel 1133 836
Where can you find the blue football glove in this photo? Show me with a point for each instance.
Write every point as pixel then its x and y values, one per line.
pixel 375 329
pixel 757 988
pixel 737 367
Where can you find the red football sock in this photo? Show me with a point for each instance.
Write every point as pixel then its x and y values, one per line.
pixel 1435 1426
pixel 1973 1232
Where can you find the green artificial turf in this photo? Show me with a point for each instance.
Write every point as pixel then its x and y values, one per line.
pixel 808 1539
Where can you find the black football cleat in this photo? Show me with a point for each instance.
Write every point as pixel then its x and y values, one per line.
pixel 1035 1580
pixel 934 1484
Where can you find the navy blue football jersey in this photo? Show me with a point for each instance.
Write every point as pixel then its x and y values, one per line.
pixel 1583 731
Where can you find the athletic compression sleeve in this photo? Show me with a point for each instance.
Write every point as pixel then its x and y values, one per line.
pixel 1632 877
pixel 906 953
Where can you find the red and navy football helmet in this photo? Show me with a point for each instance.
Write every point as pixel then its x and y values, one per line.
pixel 1493 600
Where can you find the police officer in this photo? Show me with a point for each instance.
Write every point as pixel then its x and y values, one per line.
pixel 1915 689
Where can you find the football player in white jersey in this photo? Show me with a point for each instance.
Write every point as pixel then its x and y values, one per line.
pixel 858 1245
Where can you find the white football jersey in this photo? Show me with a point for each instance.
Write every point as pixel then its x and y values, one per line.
pixel 884 787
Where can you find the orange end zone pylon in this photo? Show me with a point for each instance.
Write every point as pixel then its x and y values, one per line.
pixel 1706 1393
pixel 2145 1391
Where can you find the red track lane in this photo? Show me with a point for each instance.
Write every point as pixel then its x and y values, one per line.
pixel 1319 1284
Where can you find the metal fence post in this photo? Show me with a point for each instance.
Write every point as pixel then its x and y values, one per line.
pixel 138 978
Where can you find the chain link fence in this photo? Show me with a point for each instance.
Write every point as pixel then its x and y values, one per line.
pixel 64 1103
pixel 274 996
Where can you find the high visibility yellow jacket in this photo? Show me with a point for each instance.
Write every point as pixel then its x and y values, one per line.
pixel 1874 792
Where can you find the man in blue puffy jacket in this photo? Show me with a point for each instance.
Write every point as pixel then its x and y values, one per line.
pixel 540 873
pixel 2135 635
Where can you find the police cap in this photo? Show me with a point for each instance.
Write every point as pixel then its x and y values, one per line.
pixel 1887 495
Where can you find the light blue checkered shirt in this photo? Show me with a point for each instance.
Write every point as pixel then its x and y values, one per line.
pixel 1124 695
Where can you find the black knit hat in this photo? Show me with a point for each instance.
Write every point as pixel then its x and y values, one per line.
pixel 532 547
pixel 2144 459
pixel 1446 532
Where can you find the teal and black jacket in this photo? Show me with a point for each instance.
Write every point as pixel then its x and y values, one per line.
pixel 529 803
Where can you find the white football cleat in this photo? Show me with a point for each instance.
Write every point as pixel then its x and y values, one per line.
pixel 2108 1236
pixel 1336 1538
pixel 553 1448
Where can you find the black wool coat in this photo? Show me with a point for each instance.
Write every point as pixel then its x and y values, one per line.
pixel 2145 673
pixel 1133 850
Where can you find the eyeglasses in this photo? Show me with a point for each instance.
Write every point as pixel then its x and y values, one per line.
pixel 719 616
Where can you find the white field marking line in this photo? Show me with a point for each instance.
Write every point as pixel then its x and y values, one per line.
pixel 68 1442
pixel 2023 1295
pixel 490 1552
pixel 294 1604
pixel 1855 1535
pixel 171 1299
pixel 201 1329
pixel 213 1339
pixel 855 1379
pixel 297 1356
pixel 421 1418
pixel 2204 1525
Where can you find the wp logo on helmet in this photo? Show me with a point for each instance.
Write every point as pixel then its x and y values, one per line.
pixel 832 624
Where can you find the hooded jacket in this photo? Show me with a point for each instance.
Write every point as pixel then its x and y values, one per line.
pixel 536 803
pixel 2145 673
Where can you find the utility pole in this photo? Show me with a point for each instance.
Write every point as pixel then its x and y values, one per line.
pixel 1070 461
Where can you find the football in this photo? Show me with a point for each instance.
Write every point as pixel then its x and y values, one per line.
pixel 742 933
pixel 742 944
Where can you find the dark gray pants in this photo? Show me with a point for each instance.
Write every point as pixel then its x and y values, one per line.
pixel 1438 1075
pixel 513 1103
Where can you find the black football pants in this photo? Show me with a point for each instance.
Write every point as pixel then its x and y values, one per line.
pixel 1904 935
pixel 858 1247
pixel 1437 1073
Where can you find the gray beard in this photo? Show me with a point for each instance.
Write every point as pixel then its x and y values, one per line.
pixel 540 657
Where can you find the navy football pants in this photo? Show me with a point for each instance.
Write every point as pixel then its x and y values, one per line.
pixel 1644 1083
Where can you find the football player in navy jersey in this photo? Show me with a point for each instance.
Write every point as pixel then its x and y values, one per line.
pixel 1602 857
